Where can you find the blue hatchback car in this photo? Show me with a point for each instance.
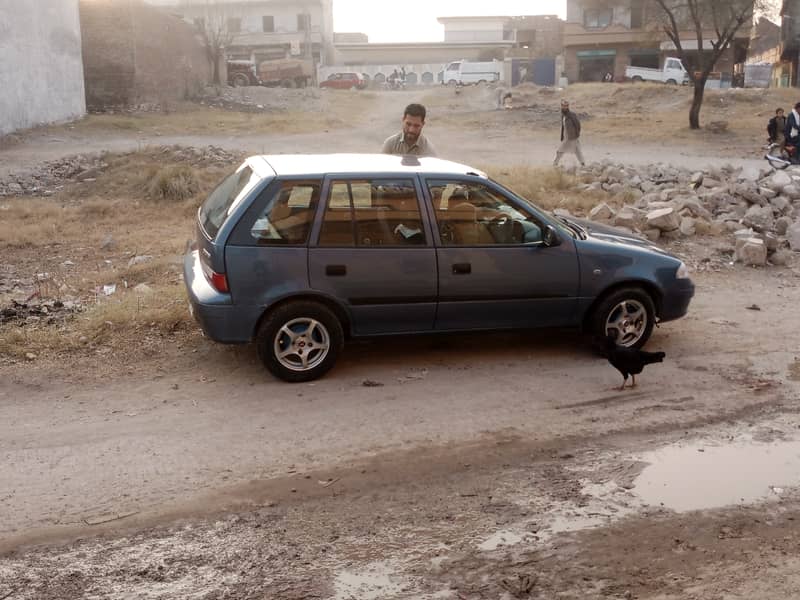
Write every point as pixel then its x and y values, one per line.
pixel 298 252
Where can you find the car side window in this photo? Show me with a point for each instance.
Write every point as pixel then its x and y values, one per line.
pixel 288 214
pixel 380 212
pixel 472 214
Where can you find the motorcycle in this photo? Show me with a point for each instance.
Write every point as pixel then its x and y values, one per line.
pixel 780 157
pixel 395 84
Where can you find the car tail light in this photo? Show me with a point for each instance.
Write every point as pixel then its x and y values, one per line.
pixel 217 280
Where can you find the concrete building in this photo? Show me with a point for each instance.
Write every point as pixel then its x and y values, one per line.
pixel 524 40
pixel 134 53
pixel 764 67
pixel 605 37
pixel 265 29
pixel 790 41
pixel 41 73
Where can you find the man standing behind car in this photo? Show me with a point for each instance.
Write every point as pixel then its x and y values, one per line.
pixel 570 135
pixel 410 140
pixel 792 131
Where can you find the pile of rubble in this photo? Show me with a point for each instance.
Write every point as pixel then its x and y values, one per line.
pixel 758 208
pixel 257 99
pixel 45 312
pixel 46 178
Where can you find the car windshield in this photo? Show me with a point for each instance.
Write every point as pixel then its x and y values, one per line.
pixel 225 197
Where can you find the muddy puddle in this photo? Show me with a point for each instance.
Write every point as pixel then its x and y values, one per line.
pixel 703 476
pixel 369 582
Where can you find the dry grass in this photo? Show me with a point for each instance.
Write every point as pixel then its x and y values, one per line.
pixel 175 183
pixel 145 207
pixel 189 118
pixel 112 323
pixel 551 188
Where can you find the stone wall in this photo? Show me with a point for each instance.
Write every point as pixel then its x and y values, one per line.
pixel 41 73
pixel 134 54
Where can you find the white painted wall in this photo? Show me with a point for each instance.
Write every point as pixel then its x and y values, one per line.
pixel 41 69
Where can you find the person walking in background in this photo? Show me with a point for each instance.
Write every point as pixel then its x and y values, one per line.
pixel 776 128
pixel 410 140
pixel 570 135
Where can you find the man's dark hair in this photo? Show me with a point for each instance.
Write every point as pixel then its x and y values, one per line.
pixel 777 110
pixel 797 106
pixel 415 110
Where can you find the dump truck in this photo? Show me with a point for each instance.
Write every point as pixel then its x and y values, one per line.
pixel 286 72
pixel 242 73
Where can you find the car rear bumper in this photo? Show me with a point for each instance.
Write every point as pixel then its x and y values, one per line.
pixel 675 303
pixel 219 319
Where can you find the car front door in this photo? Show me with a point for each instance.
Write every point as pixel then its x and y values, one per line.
pixel 374 252
pixel 495 270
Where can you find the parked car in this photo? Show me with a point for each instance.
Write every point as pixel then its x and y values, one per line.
pixel 672 73
pixel 298 252
pixel 345 81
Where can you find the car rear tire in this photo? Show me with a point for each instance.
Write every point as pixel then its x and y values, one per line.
pixel 628 314
pixel 671 82
pixel 637 79
pixel 300 341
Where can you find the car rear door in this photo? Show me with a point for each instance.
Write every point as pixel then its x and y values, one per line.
pixel 372 250
pixel 495 271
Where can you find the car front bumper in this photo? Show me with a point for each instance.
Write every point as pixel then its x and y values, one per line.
pixel 676 300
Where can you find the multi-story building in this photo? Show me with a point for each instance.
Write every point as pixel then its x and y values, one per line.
pixel 764 67
pixel 790 40
pixel 602 37
pixel 264 29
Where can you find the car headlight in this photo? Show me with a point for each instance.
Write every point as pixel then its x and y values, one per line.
pixel 682 272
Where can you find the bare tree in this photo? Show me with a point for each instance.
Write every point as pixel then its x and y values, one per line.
pixel 216 35
pixel 722 19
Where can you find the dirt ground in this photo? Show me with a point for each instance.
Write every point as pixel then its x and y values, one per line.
pixel 141 460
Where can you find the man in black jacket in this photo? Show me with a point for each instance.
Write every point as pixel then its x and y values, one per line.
pixel 570 135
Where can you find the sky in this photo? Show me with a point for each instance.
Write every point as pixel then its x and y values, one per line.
pixel 415 20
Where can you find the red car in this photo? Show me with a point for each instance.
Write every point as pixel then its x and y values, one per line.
pixel 345 81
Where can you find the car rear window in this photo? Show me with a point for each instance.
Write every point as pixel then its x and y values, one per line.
pixel 221 202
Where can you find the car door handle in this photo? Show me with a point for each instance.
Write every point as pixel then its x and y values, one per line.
pixel 462 269
pixel 335 270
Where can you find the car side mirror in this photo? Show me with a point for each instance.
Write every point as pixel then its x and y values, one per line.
pixel 550 236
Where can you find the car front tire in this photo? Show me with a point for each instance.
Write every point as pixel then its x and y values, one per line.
pixel 300 341
pixel 627 314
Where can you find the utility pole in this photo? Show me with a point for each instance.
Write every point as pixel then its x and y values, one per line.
pixel 309 51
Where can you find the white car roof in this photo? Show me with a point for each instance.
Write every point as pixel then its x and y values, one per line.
pixel 323 164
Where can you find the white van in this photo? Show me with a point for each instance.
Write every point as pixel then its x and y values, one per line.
pixel 463 72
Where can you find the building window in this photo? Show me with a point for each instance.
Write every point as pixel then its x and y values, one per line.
pixel 303 22
pixel 268 24
pixel 234 25
pixel 597 17
pixel 637 14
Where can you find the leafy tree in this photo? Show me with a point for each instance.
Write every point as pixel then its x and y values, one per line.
pixel 722 19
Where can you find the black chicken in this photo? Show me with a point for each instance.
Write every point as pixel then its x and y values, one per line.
pixel 630 361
